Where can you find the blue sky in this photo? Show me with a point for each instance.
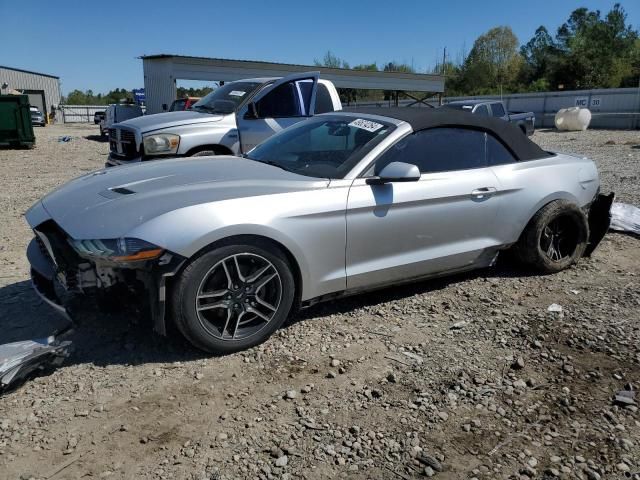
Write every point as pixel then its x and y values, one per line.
pixel 94 45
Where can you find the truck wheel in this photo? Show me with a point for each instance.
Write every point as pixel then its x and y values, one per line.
pixel 204 153
pixel 555 238
pixel 233 297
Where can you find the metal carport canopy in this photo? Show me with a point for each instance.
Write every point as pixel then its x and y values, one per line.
pixel 161 72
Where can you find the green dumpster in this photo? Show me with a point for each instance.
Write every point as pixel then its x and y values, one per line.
pixel 16 129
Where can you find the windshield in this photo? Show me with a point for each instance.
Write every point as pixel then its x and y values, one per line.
pixel 327 146
pixel 235 92
pixel 177 105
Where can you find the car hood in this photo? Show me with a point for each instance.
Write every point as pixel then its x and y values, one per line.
pixel 110 203
pixel 158 121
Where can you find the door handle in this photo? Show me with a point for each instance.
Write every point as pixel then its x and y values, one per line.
pixel 483 192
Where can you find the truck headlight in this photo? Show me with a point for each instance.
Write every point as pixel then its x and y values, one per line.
pixel 117 249
pixel 161 144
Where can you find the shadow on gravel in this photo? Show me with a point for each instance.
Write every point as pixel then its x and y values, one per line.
pixel 97 138
pixel 503 269
pixel 121 339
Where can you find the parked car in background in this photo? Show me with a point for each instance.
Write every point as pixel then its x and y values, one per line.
pixel 37 117
pixel 118 113
pixel 183 104
pixel 232 119
pixel 525 121
pixel 98 117
pixel 337 204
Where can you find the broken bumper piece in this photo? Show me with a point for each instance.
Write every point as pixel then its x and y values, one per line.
pixel 43 278
pixel 18 360
pixel 599 220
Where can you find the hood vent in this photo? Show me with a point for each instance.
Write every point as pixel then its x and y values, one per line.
pixel 115 192
pixel 122 191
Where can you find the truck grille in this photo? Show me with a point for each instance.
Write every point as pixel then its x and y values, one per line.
pixel 122 143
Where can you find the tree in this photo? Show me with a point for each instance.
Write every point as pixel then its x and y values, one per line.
pixel 493 63
pixel 538 54
pixel 588 52
pixel 331 61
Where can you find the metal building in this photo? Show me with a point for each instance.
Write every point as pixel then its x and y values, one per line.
pixel 162 71
pixel 43 90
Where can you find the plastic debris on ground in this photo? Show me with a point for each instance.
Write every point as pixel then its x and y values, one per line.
pixel 64 139
pixel 18 360
pixel 625 218
pixel 554 308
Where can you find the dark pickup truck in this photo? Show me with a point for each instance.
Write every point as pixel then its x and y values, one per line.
pixel 492 108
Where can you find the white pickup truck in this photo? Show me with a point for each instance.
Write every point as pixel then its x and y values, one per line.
pixel 231 120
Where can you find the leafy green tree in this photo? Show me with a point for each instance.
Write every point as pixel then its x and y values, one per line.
pixel 539 55
pixel 331 61
pixel 494 62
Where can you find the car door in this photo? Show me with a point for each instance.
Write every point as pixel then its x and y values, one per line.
pixel 278 106
pixel 445 221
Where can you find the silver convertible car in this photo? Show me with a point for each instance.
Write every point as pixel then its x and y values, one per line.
pixel 228 247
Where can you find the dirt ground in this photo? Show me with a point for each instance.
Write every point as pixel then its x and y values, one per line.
pixel 460 378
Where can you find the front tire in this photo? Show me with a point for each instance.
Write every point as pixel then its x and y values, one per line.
pixel 555 238
pixel 233 297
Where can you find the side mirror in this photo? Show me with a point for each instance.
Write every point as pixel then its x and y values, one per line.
pixel 396 172
pixel 252 112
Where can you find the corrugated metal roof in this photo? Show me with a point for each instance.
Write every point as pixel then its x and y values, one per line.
pixel 28 71
pixel 346 71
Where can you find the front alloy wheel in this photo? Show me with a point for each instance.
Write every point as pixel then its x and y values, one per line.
pixel 239 296
pixel 233 297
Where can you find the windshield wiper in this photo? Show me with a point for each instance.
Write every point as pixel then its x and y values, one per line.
pixel 270 162
pixel 205 108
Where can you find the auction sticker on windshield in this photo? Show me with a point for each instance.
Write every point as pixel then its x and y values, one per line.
pixel 237 93
pixel 367 125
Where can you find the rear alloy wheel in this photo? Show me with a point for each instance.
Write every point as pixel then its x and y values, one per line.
pixel 555 238
pixel 234 297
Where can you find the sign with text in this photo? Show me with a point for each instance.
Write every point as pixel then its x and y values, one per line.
pixel 582 102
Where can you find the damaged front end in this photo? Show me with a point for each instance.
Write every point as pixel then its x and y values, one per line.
pixel 125 272
pixel 599 215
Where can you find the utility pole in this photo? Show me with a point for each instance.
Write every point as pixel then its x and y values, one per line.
pixel 444 60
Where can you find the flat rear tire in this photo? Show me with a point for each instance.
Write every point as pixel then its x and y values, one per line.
pixel 555 238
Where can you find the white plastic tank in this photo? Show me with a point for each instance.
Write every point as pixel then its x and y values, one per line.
pixel 573 119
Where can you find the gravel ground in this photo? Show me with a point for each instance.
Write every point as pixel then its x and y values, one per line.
pixel 466 377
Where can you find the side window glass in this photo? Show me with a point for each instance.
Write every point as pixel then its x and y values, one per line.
pixel 482 110
pixel 497 109
pixel 304 89
pixel 283 101
pixel 324 103
pixel 438 150
pixel 497 153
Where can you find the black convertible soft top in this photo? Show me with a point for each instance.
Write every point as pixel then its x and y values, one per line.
pixel 423 118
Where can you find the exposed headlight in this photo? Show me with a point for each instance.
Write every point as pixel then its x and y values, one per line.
pixel 117 249
pixel 161 144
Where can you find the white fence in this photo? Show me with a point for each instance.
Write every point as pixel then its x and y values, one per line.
pixel 78 113
pixel 615 108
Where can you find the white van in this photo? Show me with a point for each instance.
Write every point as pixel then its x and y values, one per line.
pixel 118 113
